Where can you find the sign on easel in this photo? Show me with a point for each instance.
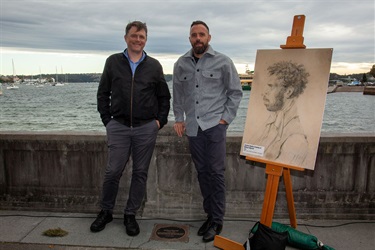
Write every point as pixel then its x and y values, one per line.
pixel 286 106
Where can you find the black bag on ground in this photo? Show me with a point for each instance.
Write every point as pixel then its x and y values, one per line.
pixel 262 237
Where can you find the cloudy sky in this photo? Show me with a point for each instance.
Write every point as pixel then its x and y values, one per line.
pixel 76 36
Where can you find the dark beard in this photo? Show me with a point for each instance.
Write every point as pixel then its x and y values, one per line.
pixel 278 103
pixel 200 50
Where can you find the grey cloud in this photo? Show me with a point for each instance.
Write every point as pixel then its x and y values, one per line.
pixel 238 28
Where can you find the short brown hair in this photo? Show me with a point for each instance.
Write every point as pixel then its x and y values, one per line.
pixel 138 24
pixel 200 22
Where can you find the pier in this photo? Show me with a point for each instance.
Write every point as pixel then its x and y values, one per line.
pixel 367 90
pixel 63 172
pixel 335 88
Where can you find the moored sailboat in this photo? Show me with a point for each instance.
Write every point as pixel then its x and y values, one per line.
pixel 12 85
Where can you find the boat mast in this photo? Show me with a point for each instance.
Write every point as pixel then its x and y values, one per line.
pixel 14 72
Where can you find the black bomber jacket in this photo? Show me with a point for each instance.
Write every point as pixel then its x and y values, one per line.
pixel 133 101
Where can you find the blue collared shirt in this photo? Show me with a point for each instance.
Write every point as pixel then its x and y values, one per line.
pixel 205 92
pixel 134 65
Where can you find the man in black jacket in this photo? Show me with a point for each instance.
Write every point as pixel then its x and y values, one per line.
pixel 133 102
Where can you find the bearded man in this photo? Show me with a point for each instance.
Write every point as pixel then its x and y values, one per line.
pixel 206 95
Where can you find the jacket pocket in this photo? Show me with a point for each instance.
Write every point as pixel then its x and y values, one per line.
pixel 184 77
pixel 211 75
pixel 212 80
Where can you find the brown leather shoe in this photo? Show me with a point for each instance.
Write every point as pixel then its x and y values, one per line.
pixel 214 230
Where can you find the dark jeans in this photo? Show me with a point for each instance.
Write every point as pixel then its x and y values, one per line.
pixel 208 151
pixel 123 141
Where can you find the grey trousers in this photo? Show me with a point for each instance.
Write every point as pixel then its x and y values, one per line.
pixel 123 141
pixel 208 151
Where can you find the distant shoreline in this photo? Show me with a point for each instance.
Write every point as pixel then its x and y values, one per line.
pixel 335 89
pixel 350 89
pixel 366 90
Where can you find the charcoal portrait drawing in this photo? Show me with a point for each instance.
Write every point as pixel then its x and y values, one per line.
pixel 282 131
pixel 286 106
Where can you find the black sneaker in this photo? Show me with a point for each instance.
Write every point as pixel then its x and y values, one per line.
pixel 132 227
pixel 214 230
pixel 206 225
pixel 102 219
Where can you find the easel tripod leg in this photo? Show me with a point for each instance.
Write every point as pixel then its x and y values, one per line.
pixel 274 173
pixel 289 197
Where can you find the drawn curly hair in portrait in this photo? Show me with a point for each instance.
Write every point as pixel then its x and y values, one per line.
pixel 283 137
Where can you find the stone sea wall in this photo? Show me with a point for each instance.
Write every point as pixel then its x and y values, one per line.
pixel 64 172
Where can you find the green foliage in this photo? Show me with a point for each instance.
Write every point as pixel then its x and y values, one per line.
pixel 372 71
pixel 364 78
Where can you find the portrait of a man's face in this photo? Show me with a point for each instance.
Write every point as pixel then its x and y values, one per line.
pixel 286 106
pixel 273 96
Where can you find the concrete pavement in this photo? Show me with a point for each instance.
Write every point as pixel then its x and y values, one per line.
pixel 24 230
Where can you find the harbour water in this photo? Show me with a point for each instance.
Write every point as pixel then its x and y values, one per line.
pixel 72 107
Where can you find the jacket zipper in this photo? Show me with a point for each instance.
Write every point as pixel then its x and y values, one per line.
pixel 131 103
pixel 132 95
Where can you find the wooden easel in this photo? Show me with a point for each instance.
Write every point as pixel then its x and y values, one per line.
pixel 274 170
